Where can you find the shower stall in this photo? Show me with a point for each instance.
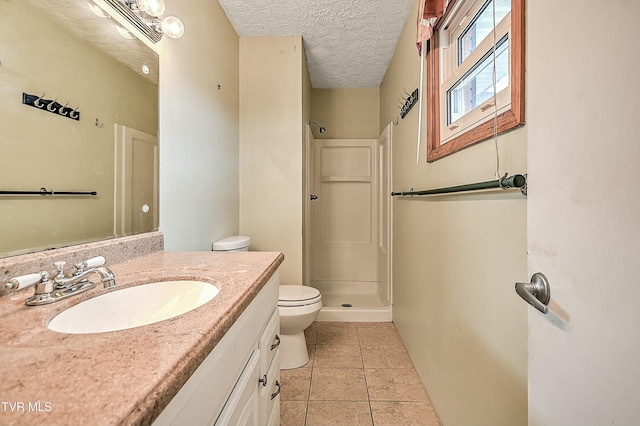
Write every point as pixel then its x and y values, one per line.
pixel 348 226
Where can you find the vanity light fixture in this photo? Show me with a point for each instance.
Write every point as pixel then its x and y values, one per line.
pixel 146 16
pixel 150 7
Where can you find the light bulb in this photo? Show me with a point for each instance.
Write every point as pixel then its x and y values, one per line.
pixel 172 27
pixel 151 7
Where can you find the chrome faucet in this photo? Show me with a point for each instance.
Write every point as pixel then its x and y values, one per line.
pixel 60 287
pixel 62 281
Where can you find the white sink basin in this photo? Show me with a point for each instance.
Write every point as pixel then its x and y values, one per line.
pixel 133 307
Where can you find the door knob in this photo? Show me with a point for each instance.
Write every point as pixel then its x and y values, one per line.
pixel 313 197
pixel 536 293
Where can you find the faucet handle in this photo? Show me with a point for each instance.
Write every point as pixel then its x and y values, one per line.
pixel 94 262
pixel 23 281
pixel 60 267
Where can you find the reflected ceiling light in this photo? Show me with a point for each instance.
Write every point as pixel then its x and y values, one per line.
pixel 124 33
pixel 146 16
pixel 97 10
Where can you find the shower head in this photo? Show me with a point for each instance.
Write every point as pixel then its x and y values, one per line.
pixel 320 128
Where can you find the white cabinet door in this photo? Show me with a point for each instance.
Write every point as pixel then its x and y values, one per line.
pixel 243 406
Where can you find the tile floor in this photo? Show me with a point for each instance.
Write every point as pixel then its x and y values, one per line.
pixel 358 374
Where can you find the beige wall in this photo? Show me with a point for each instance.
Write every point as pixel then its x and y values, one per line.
pixel 42 149
pixel 346 113
pixel 271 148
pixel 199 119
pixel 456 259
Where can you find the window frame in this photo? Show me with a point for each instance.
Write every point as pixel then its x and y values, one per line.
pixel 509 117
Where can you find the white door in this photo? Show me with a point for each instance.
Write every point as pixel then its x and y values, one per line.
pixel 136 181
pixel 385 211
pixel 344 215
pixel 583 121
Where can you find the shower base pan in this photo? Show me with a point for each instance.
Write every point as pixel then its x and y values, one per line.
pixel 355 314
pixel 353 303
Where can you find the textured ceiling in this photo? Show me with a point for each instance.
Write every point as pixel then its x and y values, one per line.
pixel 349 43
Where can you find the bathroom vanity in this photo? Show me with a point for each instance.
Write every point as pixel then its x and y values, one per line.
pixel 239 381
pixel 217 364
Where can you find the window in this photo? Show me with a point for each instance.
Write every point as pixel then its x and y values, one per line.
pixel 475 74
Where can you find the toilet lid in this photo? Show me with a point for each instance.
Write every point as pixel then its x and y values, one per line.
pixel 233 242
pixel 298 295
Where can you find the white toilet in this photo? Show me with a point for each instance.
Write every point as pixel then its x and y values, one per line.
pixel 299 306
pixel 232 243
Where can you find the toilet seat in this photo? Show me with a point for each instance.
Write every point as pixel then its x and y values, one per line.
pixel 298 295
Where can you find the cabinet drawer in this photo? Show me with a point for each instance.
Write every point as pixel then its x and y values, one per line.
pixel 269 341
pixel 270 395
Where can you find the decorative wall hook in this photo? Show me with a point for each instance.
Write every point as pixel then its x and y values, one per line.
pixel 62 111
pixel 409 103
pixel 36 102
pixel 53 106
pixel 49 105
pixel 99 125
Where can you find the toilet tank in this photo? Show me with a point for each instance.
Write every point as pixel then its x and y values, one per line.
pixel 232 243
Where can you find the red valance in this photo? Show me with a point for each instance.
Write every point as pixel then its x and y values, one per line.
pixel 433 8
pixel 428 12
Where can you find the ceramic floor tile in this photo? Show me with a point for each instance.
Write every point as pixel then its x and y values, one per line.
pixel 383 336
pixel 386 357
pixel 337 334
pixel 334 413
pixel 395 384
pixel 337 356
pixel 338 384
pixel 358 373
pixel 404 414
pixel 388 325
pixel 295 384
pixel 293 413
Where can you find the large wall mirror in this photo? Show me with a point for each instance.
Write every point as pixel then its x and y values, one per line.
pixel 75 63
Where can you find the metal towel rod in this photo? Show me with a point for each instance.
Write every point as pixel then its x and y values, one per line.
pixel 510 182
pixel 45 191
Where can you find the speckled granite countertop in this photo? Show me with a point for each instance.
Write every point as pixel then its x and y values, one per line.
pixel 128 376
